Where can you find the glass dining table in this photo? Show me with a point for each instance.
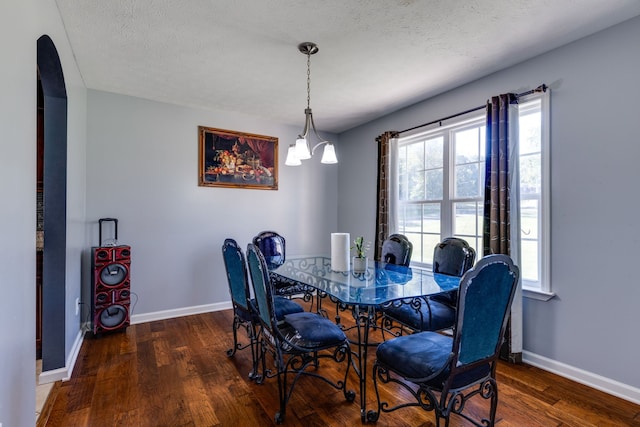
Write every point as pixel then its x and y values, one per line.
pixel 362 293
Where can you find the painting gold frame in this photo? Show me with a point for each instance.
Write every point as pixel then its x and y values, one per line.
pixel 232 159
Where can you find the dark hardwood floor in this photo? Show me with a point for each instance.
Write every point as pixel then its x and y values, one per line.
pixel 176 373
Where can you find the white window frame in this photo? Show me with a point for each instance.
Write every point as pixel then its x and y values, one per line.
pixel 541 289
pixel 448 199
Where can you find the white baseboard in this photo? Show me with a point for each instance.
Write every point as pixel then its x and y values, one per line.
pixel 179 312
pixel 607 385
pixel 64 374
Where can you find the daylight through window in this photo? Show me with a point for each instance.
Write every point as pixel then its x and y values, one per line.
pixel 441 187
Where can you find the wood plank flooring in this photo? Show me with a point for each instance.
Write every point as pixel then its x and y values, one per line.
pixel 176 373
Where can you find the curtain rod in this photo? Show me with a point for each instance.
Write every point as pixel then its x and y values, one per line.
pixel 541 88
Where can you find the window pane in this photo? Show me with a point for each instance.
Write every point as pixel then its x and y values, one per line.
pixel 434 184
pixel 402 226
pixel 429 242
pixel 529 268
pixel 529 219
pixel 530 137
pixel 415 186
pixel 468 161
pixel 402 173
pixel 434 153
pixel 465 219
pixel 431 218
pixel 530 174
pixel 416 240
pixel 467 184
pixel 412 218
pixel 466 146
pixel 530 238
pixel 415 155
pixel 415 171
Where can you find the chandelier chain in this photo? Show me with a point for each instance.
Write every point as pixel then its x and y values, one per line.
pixel 308 80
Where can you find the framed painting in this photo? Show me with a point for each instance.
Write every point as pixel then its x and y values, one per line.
pixel 237 160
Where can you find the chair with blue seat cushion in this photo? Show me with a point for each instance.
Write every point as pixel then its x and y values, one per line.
pixel 272 245
pixel 244 311
pixel 417 314
pixel 397 250
pixel 453 256
pixel 273 248
pixel 298 343
pixel 443 372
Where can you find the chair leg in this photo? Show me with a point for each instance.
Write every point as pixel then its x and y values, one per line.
pixel 255 354
pixel 296 366
pixel 236 346
pixel 282 387
pixel 261 348
pixel 253 335
pixel 494 404
pixel 372 416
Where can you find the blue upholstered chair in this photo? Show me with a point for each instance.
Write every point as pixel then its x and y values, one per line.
pixel 273 248
pixel 297 343
pixel 272 245
pixel 397 249
pixel 449 370
pixel 244 311
pixel 453 256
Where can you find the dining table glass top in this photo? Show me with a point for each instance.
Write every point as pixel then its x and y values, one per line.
pixel 379 284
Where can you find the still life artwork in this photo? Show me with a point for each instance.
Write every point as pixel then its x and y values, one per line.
pixel 235 159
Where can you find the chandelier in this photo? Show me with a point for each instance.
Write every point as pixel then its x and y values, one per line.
pixel 301 149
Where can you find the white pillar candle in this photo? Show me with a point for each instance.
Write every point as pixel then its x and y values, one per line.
pixel 340 251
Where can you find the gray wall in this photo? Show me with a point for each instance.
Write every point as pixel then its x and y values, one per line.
pixel 21 24
pixel 142 168
pixel 592 324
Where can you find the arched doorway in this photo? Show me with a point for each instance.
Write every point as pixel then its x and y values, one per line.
pixel 54 205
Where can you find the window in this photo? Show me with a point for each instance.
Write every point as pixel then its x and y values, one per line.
pixel 535 193
pixel 441 187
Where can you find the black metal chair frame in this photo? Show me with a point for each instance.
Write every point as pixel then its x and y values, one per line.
pixel 453 394
pixel 386 323
pixel 243 315
pixel 418 303
pixel 290 359
pixel 281 288
pixel 466 255
pixel 397 240
pixel 469 256
pixel 396 327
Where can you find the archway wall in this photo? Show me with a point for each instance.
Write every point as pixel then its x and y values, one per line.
pixel 55 205
pixel 62 337
pixel 66 331
pixel 21 24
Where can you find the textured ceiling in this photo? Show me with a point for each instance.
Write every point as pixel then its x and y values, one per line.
pixel 375 56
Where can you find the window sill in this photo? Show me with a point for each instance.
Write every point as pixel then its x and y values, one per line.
pixel 537 294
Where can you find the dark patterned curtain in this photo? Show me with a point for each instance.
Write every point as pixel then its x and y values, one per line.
pixel 382 209
pixel 501 185
pixel 496 238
